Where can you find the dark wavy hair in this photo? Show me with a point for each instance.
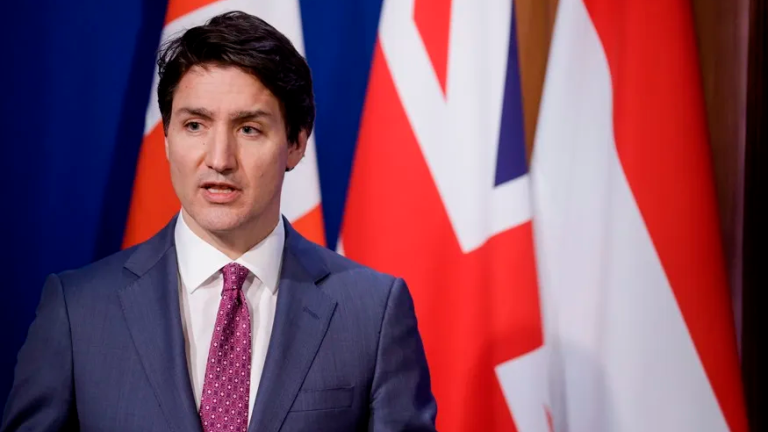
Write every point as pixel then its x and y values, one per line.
pixel 249 43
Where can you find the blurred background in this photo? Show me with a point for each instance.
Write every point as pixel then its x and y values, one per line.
pixel 77 82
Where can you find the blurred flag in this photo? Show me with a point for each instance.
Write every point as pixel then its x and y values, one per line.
pixel 154 202
pixel 439 195
pixel 636 304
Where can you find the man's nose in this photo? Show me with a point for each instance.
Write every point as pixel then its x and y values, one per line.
pixel 221 152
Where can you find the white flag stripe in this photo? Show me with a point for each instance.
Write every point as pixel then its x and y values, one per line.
pixel 628 360
pixel 523 381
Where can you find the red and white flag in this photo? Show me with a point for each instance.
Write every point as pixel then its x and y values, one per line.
pixel 153 201
pixel 636 304
pixel 439 195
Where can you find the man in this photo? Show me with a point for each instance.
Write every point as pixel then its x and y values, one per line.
pixel 226 320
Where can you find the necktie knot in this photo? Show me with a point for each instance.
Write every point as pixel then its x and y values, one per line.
pixel 234 276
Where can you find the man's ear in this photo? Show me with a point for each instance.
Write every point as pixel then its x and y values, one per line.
pixel 296 150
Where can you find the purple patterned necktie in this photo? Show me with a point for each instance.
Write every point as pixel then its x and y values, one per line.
pixel 224 403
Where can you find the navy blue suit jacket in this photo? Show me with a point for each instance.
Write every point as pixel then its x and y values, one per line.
pixel 106 350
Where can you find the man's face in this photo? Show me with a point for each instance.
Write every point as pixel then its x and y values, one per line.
pixel 228 150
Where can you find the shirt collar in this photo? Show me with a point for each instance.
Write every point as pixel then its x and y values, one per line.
pixel 198 260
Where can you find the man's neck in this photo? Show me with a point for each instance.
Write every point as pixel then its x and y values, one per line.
pixel 235 243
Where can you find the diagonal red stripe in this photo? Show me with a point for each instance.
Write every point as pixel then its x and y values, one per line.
pixel 433 19
pixel 550 422
pixel 661 137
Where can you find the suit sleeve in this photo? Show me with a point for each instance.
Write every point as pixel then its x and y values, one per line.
pixel 42 396
pixel 402 397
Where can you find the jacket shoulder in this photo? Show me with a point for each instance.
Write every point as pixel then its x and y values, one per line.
pixel 109 271
pixel 339 266
pixel 120 268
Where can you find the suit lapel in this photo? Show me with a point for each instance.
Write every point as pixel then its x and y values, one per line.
pixel 301 321
pixel 151 310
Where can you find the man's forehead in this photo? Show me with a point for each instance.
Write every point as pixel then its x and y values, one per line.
pixel 224 92
pixel 222 77
pixel 235 114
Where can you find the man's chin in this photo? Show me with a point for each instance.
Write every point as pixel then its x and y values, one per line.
pixel 221 226
pixel 219 221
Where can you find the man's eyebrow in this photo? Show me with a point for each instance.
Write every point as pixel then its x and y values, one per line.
pixel 249 115
pixel 197 112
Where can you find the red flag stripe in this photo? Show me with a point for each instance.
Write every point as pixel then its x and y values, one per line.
pixel 311 225
pixel 433 19
pixel 179 8
pixel 661 139
pixel 154 201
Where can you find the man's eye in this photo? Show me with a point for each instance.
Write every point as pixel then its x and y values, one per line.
pixel 193 126
pixel 249 130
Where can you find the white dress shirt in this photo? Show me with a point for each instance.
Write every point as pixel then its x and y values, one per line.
pixel 200 286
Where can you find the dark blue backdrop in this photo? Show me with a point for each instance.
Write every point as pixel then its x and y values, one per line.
pixel 75 86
